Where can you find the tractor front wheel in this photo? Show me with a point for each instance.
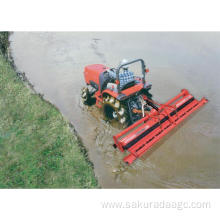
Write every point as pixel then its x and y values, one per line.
pixel 86 97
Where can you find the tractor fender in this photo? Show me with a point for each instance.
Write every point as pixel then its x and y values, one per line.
pixel 109 92
pixel 119 97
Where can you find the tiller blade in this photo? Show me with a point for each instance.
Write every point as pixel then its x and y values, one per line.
pixel 140 136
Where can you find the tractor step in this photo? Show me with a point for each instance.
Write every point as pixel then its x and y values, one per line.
pixel 140 136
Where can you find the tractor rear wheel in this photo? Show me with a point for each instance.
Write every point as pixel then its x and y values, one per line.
pixel 113 109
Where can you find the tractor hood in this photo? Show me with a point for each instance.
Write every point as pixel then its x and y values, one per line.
pixel 92 72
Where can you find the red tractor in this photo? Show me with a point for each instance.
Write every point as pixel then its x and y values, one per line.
pixel 118 91
pixel 126 97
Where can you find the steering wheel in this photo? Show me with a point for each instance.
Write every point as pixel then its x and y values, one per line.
pixel 127 85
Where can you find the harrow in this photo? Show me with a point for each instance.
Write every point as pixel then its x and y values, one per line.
pixel 142 135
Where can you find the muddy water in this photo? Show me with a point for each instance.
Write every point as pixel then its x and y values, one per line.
pixel 189 156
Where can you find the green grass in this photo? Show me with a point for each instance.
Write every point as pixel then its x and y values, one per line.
pixel 4 42
pixel 37 147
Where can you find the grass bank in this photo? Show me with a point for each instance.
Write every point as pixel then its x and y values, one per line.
pixel 37 147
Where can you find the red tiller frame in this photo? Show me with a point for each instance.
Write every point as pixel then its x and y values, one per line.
pixel 140 136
